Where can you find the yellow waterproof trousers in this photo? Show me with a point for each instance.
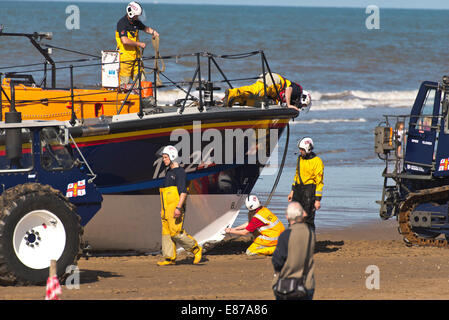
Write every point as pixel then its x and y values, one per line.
pixel 129 70
pixel 172 228
pixel 129 67
pixel 257 249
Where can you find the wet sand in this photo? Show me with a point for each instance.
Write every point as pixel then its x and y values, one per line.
pixel 226 273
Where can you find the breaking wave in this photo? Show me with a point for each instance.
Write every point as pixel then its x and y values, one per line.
pixel 314 121
pixel 350 99
pixel 354 99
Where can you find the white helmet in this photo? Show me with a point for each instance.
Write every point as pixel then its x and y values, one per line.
pixel 252 202
pixel 306 144
pixel 133 9
pixel 306 99
pixel 171 152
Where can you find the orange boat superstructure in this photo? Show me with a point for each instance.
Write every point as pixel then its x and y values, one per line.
pixel 56 104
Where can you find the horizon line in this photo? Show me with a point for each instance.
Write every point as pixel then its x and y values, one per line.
pixel 155 2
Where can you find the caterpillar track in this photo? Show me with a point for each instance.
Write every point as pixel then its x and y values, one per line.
pixel 411 202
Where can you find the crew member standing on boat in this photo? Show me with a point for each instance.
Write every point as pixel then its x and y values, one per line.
pixel 307 188
pixel 127 37
pixel 173 194
pixel 265 222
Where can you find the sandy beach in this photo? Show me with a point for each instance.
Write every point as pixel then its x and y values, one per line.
pixel 226 273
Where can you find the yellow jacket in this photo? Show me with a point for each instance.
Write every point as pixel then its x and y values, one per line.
pixel 310 171
pixel 269 234
pixel 280 82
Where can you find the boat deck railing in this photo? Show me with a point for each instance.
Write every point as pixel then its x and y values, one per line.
pixel 206 87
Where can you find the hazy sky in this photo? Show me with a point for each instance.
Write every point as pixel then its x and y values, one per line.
pixel 428 4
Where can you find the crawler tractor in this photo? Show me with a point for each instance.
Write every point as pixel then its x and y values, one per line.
pixel 416 175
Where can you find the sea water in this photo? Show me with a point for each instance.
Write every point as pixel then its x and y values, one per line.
pixel 355 74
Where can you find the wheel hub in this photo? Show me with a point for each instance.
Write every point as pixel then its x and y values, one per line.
pixel 38 238
pixel 32 238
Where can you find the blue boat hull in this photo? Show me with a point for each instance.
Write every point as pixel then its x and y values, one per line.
pixel 129 172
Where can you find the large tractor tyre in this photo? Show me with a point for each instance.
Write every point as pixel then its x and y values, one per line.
pixel 37 225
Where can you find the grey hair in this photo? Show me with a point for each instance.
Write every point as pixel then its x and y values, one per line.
pixel 295 212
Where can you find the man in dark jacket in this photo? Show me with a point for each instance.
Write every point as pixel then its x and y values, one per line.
pixel 293 257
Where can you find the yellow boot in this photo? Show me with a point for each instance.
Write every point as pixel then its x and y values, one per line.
pixel 198 255
pixel 166 262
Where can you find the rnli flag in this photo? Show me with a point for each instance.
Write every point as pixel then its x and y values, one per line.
pixel 443 165
pixel 76 189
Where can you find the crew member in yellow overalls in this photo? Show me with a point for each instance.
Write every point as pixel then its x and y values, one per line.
pixel 263 221
pixel 127 37
pixel 281 90
pixel 307 187
pixel 173 194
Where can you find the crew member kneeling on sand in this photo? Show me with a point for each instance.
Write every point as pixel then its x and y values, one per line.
pixel 307 188
pixel 265 222
pixel 289 92
pixel 173 196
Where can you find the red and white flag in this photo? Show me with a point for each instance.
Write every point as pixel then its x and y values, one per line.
pixel 53 289
pixel 76 189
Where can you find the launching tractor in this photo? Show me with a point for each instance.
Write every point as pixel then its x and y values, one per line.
pixel 415 149
pixel 47 196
